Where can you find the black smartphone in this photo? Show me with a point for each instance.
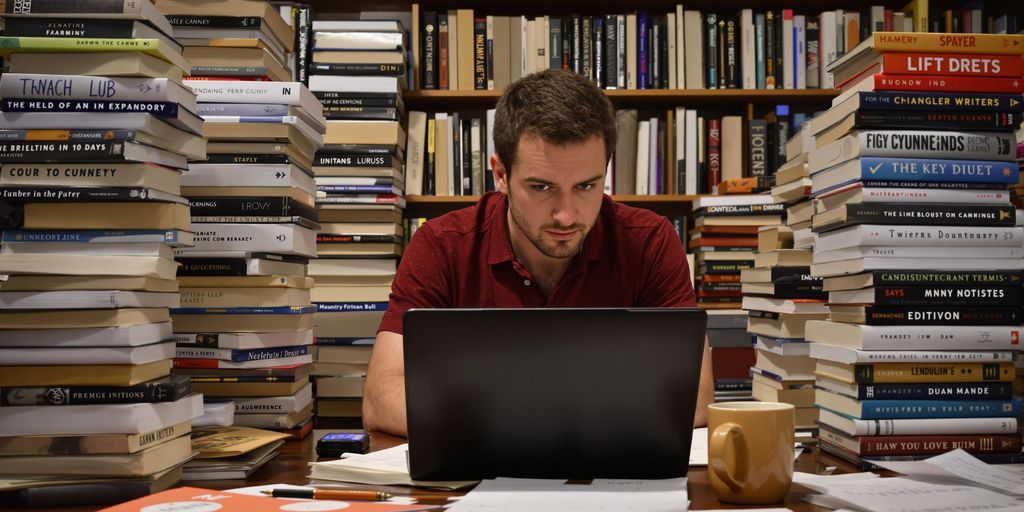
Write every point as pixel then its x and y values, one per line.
pixel 335 444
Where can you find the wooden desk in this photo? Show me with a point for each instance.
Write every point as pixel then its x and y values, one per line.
pixel 290 466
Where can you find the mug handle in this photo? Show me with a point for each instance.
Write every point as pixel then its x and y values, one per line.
pixel 733 434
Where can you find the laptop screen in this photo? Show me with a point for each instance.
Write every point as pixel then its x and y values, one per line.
pixel 551 393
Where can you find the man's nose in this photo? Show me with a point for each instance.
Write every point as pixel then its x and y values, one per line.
pixel 566 211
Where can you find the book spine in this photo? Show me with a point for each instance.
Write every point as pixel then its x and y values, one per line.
pixel 489 51
pixel 577 44
pixel 949 337
pixel 927 356
pixel 372 161
pixel 732 80
pixel 901 315
pixel 76 7
pixel 770 49
pixel 11 236
pixel 611 51
pixel 600 64
pixel 247 159
pixel 742 209
pixel 240 356
pixel 241 109
pixel 279 238
pixel 933 427
pixel 949 296
pixel 256 92
pixel 891 82
pixel 480 54
pixel 267 405
pixel 956 101
pixel 913 169
pixel 75 87
pixel 49 27
pixel 714 172
pixel 245 206
pixel 928 391
pixel 360 149
pixel 932 120
pixel 371 113
pixel 74 135
pixel 711 49
pixel 227 73
pixel 952 64
pixel 283 310
pixel 164 390
pixel 799 291
pixel 643 50
pixel 428 49
pixel 156 108
pixel 359 70
pixel 359 189
pixel 587 49
pixel 106 44
pixel 59 151
pixel 79 194
pixel 942 372
pixel 759 51
pixel 349 307
pixel 934 445
pixel 903 409
pixel 996 278
pixel 555 39
pixel 932 195
pixel 813 53
pixel 361 199
pixel 193 20
pixel 758 143
pixel 947 43
pixel 928 214
pixel 725 267
pixel 254 219
pixel 357 239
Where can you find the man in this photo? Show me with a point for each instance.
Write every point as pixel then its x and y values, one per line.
pixel 548 238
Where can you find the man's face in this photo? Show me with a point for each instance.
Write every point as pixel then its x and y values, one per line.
pixel 554 193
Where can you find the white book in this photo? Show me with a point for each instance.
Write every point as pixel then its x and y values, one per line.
pixel 276 404
pixel 374 84
pixel 525 39
pixel 643 156
pixel 253 175
pixel 125 336
pixel 288 239
pixel 960 251
pixel 47 420
pixel 453 49
pixel 755 303
pixel 87 299
pixel 154 249
pixel 543 43
pixel 273 93
pixel 355 25
pixel 631 56
pixel 835 268
pixel 826 48
pixel 476 146
pixel 415 146
pixel 693 31
pixel 673 49
pixel 358 41
pixel 141 354
pixel 680 39
pixel 748 57
pixel 530 55
pixel 88 265
pixel 693 132
pixel 800 50
pixel 455 126
pixel 732 200
pixel 938 237
pixel 383 467
pixel 912 427
pixel 946 338
pixel 244 341
pixel 858 194
pixel 788 61
pixel 243 365
pixel 652 158
pixel 490 139
pixel 82 87
pixel 352 267
pixel 216 413
pixel 1000 147
pixel 877 19
pixel 848 355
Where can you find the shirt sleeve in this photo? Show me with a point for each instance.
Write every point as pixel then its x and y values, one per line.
pixel 422 279
pixel 667 281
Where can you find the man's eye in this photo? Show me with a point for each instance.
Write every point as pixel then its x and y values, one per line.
pixel 542 188
pixel 586 186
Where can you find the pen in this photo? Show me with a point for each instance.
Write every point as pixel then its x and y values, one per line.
pixel 327 494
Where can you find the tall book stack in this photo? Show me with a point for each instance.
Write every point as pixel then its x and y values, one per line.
pixel 359 73
pixel 91 177
pixel 920 251
pixel 232 39
pixel 246 307
pixel 781 296
pixel 731 354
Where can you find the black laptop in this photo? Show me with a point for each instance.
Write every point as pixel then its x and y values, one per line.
pixel 551 393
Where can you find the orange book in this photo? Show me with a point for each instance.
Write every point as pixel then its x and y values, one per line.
pixel 751 185
pixel 724 241
pixel 720 278
pixel 194 498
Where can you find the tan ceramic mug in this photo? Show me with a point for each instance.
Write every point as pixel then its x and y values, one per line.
pixel 750 451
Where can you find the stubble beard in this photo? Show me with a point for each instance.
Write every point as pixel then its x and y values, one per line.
pixel 559 250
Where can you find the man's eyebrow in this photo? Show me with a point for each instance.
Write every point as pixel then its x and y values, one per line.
pixel 591 179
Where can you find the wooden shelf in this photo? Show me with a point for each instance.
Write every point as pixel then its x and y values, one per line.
pixel 635 98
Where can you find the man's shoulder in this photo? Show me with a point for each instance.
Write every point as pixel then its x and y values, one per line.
pixel 629 218
pixel 470 220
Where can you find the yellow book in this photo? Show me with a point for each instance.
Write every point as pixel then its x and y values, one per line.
pixel 918 10
pixel 999 44
pixel 896 373
pixel 9 45
pixel 141 215
pixel 84 375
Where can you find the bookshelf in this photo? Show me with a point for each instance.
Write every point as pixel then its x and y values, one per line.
pixel 666 204
pixel 646 98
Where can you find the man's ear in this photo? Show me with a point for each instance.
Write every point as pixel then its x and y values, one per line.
pixel 500 174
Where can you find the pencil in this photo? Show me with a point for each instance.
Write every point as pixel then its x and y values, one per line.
pixel 328 494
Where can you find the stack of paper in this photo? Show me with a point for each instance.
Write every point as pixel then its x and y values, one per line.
pixel 384 467
pixel 507 494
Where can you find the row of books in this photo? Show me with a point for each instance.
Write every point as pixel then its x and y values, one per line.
pixel 683 49
pixel 917 250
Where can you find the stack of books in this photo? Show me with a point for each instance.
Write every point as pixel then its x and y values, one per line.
pixel 91 179
pixel 781 296
pixel 246 308
pixel 731 354
pixel 920 251
pixel 233 39
pixel 359 74
pixel 724 239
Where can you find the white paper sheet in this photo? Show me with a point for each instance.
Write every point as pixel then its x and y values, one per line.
pixel 958 465
pixel 518 494
pixel 900 494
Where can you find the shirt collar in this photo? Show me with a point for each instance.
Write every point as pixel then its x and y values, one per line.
pixel 499 246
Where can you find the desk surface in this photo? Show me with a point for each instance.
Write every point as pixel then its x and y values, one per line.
pixel 290 466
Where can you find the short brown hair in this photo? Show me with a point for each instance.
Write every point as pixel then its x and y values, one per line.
pixel 560 107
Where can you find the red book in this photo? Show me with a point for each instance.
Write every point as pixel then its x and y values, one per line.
pixel 442 54
pixel 723 241
pixel 714 154
pixel 937 64
pixel 886 82
pixel 732 362
pixel 194 498
pixel 924 445
pixel 721 278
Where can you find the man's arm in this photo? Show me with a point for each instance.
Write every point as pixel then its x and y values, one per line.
pixel 706 391
pixel 384 392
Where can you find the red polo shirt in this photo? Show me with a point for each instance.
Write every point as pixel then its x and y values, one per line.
pixel 631 258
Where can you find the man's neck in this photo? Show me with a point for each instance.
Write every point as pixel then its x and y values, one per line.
pixel 547 271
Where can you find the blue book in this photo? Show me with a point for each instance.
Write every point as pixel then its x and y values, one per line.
pixel 359 189
pixel 956 101
pixel 243 109
pixel 170 237
pixel 643 50
pixel 916 409
pixel 347 307
pixel 284 310
pixel 947 391
pixel 759 50
pixel 912 170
